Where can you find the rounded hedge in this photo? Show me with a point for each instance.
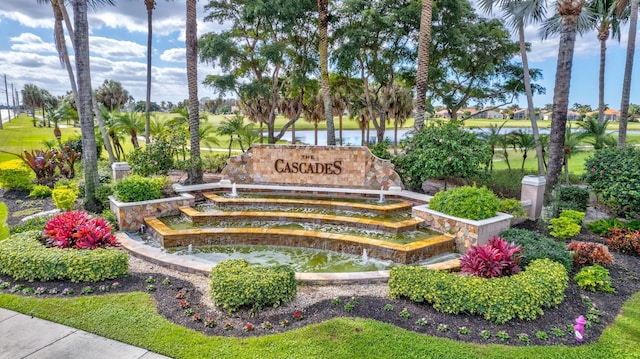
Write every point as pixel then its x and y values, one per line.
pixel 466 202
pixel 15 174
pixel 23 256
pixel 521 296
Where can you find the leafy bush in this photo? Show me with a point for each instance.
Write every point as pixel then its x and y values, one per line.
pixel 381 149
pixel 602 226
pixel 64 198
pixel 32 224
pixel 24 257
pixel 536 246
pixel 589 253
pixel 499 300
pixel 235 283
pixel 15 175
pixel 594 278
pixel 511 206
pixel 49 165
pixel 567 225
pixel 78 230
pixel 214 162
pixel 574 197
pixel 111 219
pixel 40 191
pixel 614 174
pixel 624 241
pixel 154 159
pixel 137 188
pixel 4 227
pixel 497 258
pixel 505 183
pixel 466 202
pixel 443 150
pixel 103 191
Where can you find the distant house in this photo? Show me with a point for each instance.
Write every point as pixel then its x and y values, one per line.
pixel 523 114
pixel 488 114
pixel 443 114
pixel 571 115
pixel 609 114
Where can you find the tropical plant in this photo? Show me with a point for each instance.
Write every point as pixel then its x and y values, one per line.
pixel 589 253
pixel 492 137
pixel 595 133
pixel 523 141
pixel 112 95
pixel 79 230
pixel 131 123
pixel 497 258
pixel 232 127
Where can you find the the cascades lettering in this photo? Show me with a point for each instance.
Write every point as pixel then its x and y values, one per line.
pixel 307 166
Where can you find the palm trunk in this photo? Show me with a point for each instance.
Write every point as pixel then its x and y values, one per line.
pixel 561 92
pixel 191 38
pixel 603 57
pixel 529 93
pixel 422 76
pixel 323 15
pixel 628 69
pixel 340 119
pixel 151 4
pixel 85 110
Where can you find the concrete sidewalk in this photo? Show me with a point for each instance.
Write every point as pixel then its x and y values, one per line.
pixel 22 336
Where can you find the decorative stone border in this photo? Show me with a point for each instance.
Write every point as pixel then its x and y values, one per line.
pixel 465 231
pixel 131 215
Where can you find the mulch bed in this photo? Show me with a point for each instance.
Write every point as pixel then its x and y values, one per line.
pixel 624 273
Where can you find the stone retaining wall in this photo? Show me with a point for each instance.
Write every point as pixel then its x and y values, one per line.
pixel 131 215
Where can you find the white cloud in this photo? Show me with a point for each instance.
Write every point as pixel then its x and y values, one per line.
pixel 28 42
pixel 113 48
pixel 174 55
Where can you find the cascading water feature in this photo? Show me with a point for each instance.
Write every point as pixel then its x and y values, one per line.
pixel 234 190
pixel 381 200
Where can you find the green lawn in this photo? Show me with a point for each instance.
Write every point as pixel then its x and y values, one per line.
pixel 132 318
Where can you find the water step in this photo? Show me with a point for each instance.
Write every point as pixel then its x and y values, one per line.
pixel 331 204
pixel 399 253
pixel 392 227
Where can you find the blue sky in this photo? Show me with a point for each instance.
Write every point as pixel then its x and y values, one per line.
pixel 118 48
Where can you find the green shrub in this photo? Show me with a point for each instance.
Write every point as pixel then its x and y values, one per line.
pixel 214 162
pixel 111 219
pixel 137 188
pixel 505 183
pixel 443 150
pixel 64 198
pixel 103 191
pixel 567 225
pixel 594 278
pixel 40 191
pixel 536 246
pixel 235 283
pixel 522 296
pixel 511 206
pixel 24 257
pixel 614 174
pixel 14 174
pixel 466 202
pixel 154 159
pixel 4 227
pixel 602 226
pixel 381 149
pixel 33 224
pixel 573 197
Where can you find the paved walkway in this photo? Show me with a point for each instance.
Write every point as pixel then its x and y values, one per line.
pixel 22 336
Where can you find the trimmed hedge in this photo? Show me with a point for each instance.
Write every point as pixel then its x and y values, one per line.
pixel 15 174
pixel 537 246
pixel 236 283
pixel 466 202
pixel 23 256
pixel 521 296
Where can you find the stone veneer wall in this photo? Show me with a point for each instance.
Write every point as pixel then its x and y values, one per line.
pixel 466 232
pixel 302 165
pixel 131 215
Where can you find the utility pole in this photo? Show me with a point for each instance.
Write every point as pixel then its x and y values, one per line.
pixel 6 92
pixel 14 100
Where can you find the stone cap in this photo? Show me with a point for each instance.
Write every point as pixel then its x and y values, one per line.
pixel 534 180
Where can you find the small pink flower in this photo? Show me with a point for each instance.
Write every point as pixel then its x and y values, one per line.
pixel 297 315
pixel 155 163
pixel 593 169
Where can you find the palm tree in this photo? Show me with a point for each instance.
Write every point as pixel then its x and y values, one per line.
pixel 325 90
pixel 194 174
pixel 596 134
pixel 422 75
pixel 112 95
pixel 400 108
pixel 131 123
pixel 523 142
pixel 110 126
pixel 628 69
pixel 208 135
pixel 571 146
pixel 232 126
pixel 85 106
pixel 518 14
pixel 32 97
pixel 569 11
pixel 492 137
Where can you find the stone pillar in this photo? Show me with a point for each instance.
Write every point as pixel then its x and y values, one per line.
pixel 533 190
pixel 120 170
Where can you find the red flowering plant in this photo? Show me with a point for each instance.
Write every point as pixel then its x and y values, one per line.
pixel 497 258
pixel 76 229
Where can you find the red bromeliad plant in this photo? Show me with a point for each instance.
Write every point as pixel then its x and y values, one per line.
pixel 78 230
pixel 497 258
